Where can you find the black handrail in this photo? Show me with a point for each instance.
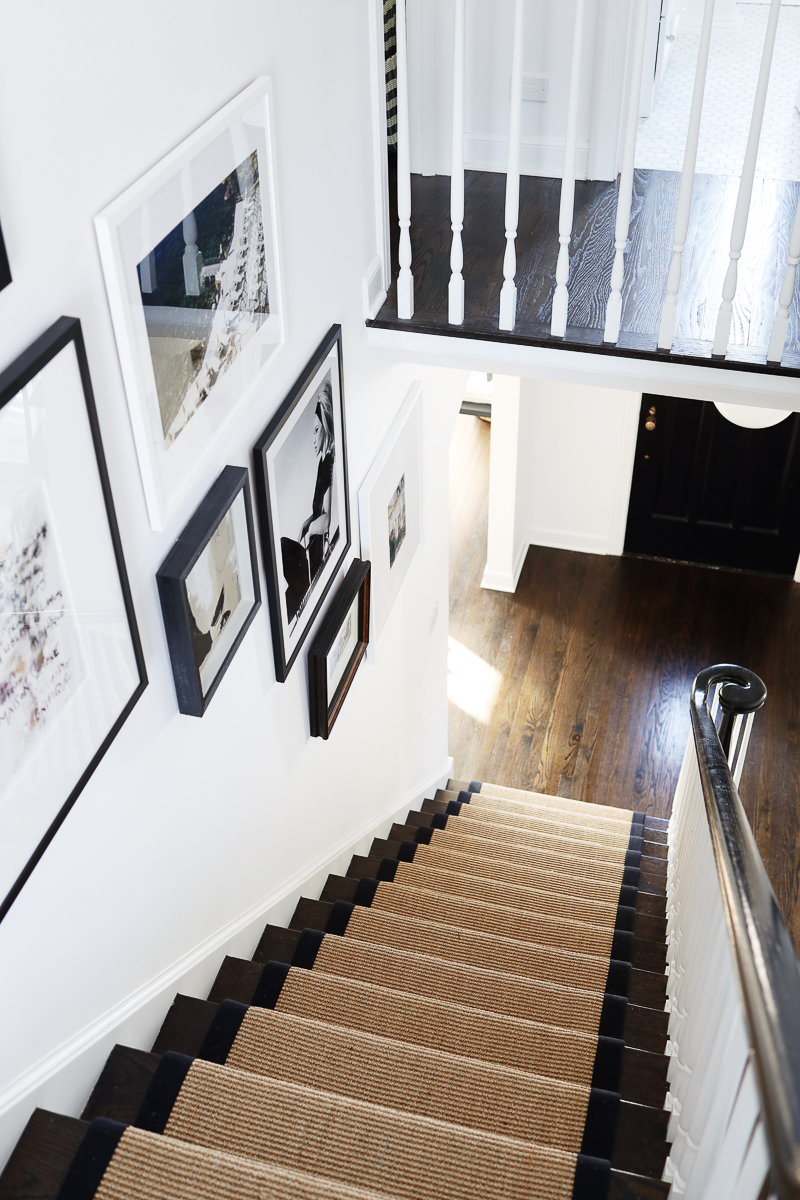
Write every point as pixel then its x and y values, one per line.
pixel 767 967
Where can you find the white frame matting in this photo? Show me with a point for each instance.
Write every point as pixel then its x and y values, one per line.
pixel 130 230
pixel 400 457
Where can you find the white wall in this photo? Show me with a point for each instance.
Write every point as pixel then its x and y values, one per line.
pixel 547 53
pixel 561 465
pixel 191 830
pixel 576 464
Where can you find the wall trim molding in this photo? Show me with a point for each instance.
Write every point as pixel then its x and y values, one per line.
pixel 537 156
pixel 569 539
pixel 60 1058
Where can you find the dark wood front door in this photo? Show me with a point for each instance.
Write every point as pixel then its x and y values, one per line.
pixel 707 491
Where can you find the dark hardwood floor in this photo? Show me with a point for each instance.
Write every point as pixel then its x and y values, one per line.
pixel 647 260
pixel 594 658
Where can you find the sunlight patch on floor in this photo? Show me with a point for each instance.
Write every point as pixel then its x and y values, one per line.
pixel 472 685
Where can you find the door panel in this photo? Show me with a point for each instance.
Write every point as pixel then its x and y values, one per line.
pixel 707 491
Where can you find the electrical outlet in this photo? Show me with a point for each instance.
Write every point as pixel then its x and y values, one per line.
pixel 535 87
pixel 433 617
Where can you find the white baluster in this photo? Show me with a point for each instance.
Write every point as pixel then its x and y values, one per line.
pixel 508 295
pixel 455 293
pixel 780 326
pixel 405 280
pixel 614 306
pixel 558 325
pixel 670 309
pixel 742 211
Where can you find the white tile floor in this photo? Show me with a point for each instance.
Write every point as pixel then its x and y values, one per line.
pixel 730 85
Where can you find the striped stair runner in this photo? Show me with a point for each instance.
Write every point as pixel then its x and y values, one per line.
pixel 476 1011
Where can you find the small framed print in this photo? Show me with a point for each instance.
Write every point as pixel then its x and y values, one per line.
pixel 71 663
pixel 337 650
pixel 209 590
pixel 5 269
pixel 300 465
pixel 390 514
pixel 190 256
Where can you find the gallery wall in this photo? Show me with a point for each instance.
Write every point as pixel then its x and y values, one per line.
pixel 191 830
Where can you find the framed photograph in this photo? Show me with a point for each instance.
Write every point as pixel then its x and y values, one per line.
pixel 390 515
pixel 209 590
pixel 336 652
pixel 71 664
pixel 190 256
pixel 303 506
pixel 5 269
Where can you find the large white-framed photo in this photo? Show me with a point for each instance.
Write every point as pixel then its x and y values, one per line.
pixel 300 464
pixel 191 259
pixel 390 515
pixel 71 663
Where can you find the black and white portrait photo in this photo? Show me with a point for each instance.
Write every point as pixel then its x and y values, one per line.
pixel 301 484
pixel 209 590
pixel 397 520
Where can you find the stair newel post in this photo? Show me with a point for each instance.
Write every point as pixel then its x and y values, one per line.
pixel 624 200
pixel 670 309
pixel 508 294
pixel 455 294
pixel 742 210
pixel 558 324
pixel 780 326
pixel 405 280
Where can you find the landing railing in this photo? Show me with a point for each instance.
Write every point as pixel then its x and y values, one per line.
pixel 734 979
pixel 613 301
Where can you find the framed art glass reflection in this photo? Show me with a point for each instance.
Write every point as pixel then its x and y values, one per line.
pixel 301 487
pixel 71 664
pixel 190 255
pixel 209 590
pixel 338 647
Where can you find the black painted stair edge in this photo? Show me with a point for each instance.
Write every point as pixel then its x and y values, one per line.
pixel 445 796
pixel 637 1133
pixel 642 1075
pixel 642 954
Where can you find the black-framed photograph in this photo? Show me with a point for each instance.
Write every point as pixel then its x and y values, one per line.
pixel 71 663
pixel 301 490
pixel 5 268
pixel 209 590
pixel 336 652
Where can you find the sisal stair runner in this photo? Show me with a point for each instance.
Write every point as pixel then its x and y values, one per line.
pixel 476 1010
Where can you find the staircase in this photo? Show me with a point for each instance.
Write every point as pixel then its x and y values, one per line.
pixel 476 1010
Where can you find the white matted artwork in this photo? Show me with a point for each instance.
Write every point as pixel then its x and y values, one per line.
pixel 71 665
pixel 190 255
pixel 390 515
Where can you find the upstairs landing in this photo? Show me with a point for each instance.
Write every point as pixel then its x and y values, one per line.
pixel 647 260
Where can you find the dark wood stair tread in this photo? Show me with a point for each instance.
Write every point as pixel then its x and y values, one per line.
pixel 41 1158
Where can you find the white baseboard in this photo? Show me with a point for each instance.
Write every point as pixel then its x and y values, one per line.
pixel 63 1079
pixel 372 290
pixel 505 581
pixel 569 539
pixel 537 156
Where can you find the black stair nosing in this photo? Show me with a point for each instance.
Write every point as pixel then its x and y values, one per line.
pixel 365 866
pixel 117 1094
pixel 625 1186
pixel 185 1026
pixel 124 1096
pixel 39 1162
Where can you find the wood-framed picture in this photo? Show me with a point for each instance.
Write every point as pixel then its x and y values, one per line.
pixel 338 647
pixel 300 465
pixel 390 514
pixel 190 254
pixel 209 590
pixel 5 268
pixel 71 663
